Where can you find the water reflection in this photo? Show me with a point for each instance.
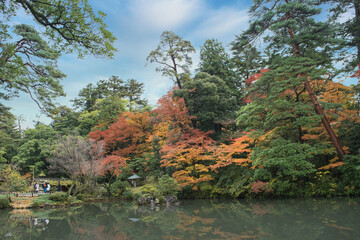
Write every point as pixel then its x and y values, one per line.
pixel 275 219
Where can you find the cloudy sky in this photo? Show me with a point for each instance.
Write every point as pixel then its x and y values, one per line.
pixel 138 24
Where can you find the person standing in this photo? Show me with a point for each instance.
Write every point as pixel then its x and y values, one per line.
pixel 45 187
pixel 36 188
pixel 59 187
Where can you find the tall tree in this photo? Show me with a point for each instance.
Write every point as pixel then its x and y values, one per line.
pixel 215 61
pixel 9 135
pixel 301 47
pixel 172 54
pixel 210 100
pixel 35 149
pixel 134 89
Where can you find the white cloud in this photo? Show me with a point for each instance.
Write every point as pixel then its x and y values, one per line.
pixel 163 14
pixel 223 24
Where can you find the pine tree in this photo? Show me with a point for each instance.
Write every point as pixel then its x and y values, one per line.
pixel 301 51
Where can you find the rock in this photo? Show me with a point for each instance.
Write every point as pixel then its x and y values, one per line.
pixel 145 200
pixel 171 200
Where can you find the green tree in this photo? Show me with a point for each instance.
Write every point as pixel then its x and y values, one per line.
pixel 134 89
pixel 87 97
pixel 247 61
pixel 36 148
pixel 172 54
pixel 29 65
pixel 105 112
pixel 72 26
pixel 301 49
pixel 210 100
pixel 28 60
pixel 9 135
pixel 65 120
pixel 214 60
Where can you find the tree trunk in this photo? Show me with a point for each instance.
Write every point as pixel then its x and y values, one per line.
pixel 317 107
pixel 324 120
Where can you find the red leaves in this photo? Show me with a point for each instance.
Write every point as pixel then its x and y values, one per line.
pixel 126 137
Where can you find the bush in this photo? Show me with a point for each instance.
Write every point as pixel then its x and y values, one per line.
pixel 12 181
pixel 148 190
pixel 118 187
pixel 4 203
pixel 58 197
pixel 168 186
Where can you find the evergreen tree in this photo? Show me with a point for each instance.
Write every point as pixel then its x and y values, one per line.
pixel 172 54
pixel 301 51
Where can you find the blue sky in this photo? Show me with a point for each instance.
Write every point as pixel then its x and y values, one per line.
pixel 138 24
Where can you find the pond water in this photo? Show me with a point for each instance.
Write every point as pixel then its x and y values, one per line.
pixel 194 219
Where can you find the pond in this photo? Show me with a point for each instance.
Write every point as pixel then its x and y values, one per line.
pixel 194 219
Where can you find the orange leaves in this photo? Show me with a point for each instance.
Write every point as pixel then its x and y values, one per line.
pixel 331 165
pixel 237 152
pixel 190 156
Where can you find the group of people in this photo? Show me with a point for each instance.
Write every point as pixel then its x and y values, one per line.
pixel 46 186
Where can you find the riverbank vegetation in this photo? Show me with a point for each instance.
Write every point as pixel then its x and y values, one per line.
pixel 268 117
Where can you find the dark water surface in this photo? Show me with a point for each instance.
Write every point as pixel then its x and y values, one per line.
pixel 194 219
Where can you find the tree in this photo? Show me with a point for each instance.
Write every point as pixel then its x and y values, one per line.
pixel 210 100
pixel 105 112
pixel 215 61
pixel 190 156
pixel 127 137
pixel 87 97
pixel 134 89
pixel 35 149
pixel 77 157
pixel 111 88
pixel 9 135
pixel 12 181
pixel 172 54
pixel 301 49
pixel 28 63
pixel 70 25
pixel 65 120
pixel 247 62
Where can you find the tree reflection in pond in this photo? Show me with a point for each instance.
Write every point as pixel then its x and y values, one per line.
pixel 195 219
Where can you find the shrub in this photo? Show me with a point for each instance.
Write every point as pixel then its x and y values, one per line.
pixel 168 186
pixel 58 197
pixel 12 181
pixel 148 190
pixel 260 187
pixel 128 195
pixel 4 203
pixel 118 187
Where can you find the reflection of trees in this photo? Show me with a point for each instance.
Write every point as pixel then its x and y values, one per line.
pixel 222 219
